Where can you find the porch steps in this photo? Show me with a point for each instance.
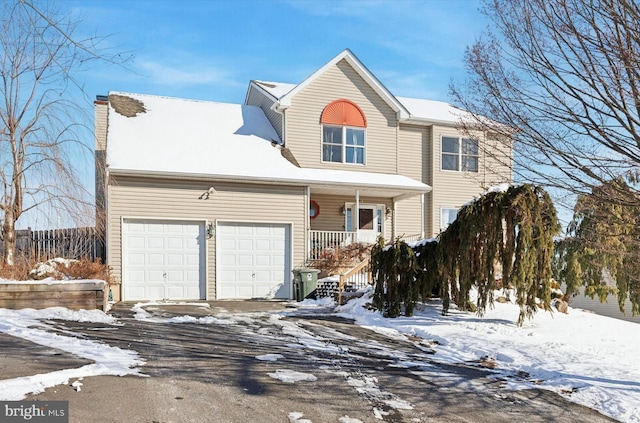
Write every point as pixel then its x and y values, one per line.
pixel 349 282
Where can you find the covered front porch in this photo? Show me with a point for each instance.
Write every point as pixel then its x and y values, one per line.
pixel 341 216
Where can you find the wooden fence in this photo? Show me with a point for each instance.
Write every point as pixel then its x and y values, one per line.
pixel 42 245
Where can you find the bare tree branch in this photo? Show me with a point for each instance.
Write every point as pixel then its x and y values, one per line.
pixel 564 77
pixel 42 137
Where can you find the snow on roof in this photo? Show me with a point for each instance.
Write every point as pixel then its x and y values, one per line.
pixel 431 110
pixel 276 89
pixel 231 141
pixel 421 109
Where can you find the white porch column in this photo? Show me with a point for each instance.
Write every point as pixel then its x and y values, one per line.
pixel 393 220
pixel 357 214
pixel 422 216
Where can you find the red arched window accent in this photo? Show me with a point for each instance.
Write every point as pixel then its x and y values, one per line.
pixel 345 113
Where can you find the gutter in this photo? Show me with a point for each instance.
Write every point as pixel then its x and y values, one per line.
pixel 408 191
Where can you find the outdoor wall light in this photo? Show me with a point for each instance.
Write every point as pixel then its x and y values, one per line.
pixel 205 195
pixel 343 210
pixel 211 230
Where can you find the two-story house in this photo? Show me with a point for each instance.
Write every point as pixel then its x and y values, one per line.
pixel 205 200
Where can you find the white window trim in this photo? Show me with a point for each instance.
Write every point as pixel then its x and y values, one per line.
pixel 344 144
pixel 376 207
pixel 459 154
pixel 442 209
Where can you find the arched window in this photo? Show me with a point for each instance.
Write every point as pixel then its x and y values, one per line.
pixel 343 132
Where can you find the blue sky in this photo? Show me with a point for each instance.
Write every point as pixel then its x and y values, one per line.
pixel 210 50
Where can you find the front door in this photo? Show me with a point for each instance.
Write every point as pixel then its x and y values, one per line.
pixel 368 224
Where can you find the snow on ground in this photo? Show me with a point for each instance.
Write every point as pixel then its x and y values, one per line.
pixel 290 376
pixel 30 324
pixel 587 358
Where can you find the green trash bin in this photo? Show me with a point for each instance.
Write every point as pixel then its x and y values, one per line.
pixel 305 282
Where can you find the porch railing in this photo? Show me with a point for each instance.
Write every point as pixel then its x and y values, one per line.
pixel 321 240
pixel 355 279
pixel 411 238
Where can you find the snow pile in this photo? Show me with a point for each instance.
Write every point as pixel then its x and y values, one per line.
pixel 142 314
pixel 26 324
pixel 587 358
pixel 269 357
pixel 291 376
pixel 51 269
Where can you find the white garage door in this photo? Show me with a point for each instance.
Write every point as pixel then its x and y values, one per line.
pixel 163 260
pixel 253 260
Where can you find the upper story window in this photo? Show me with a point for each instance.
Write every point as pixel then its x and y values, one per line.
pixel 460 154
pixel 343 133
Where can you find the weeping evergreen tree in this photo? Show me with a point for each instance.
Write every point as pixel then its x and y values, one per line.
pixel 395 274
pixel 603 249
pixel 508 233
pixel 502 239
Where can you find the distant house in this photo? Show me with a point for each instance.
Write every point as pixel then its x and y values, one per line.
pixel 205 200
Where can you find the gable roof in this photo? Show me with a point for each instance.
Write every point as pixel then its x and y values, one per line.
pixel 284 101
pixel 200 139
pixel 420 111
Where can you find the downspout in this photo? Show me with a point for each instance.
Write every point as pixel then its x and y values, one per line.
pixel 307 224
pixel 283 127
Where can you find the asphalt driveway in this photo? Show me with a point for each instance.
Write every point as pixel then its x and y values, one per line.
pixel 263 362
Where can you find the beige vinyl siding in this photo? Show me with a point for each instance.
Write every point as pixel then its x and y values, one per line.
pixel 304 131
pixel 498 161
pixel 331 217
pixel 451 189
pixel 414 155
pixel 170 199
pixel 262 100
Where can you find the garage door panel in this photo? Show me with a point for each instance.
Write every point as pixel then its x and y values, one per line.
pixel 175 243
pixel 263 245
pixel 192 276
pixel 163 260
pixel 244 230
pixel 175 259
pixel 155 291
pixel 263 260
pixel 154 259
pixel 263 275
pixel 155 242
pixel 136 259
pixel 175 276
pixel 227 260
pixel 259 270
pixel 245 275
pixel 136 241
pixel 137 291
pixel 245 244
pixel 192 292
